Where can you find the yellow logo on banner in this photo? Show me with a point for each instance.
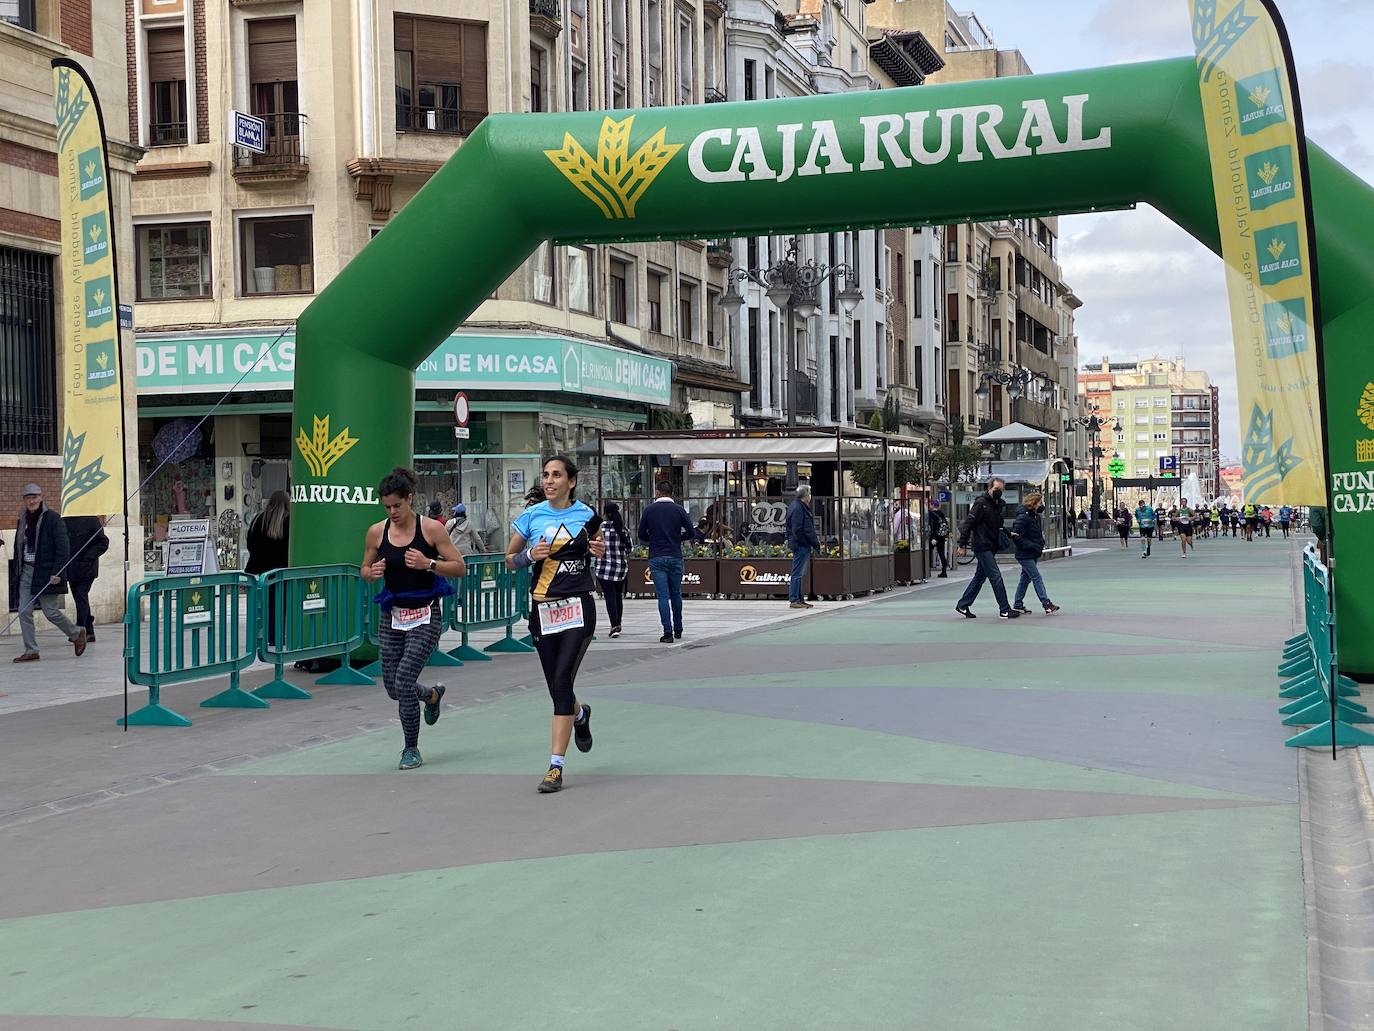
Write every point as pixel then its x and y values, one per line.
pixel 1366 412
pixel 615 180
pixel 1267 171
pixel 1259 96
pixel 1364 451
pixel 1276 248
pixel 320 451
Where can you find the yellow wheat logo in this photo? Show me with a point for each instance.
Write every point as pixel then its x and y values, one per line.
pixel 1267 172
pixel 96 233
pixel 1276 248
pixel 1259 96
pixel 102 359
pixel 1366 412
pixel 1364 451
pixel 98 297
pixel 1284 324
pixel 321 451
pixel 90 169
pixel 195 597
pixel 313 587
pixel 615 180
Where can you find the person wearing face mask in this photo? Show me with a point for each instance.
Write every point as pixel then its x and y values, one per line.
pixel 1028 534
pixel 982 530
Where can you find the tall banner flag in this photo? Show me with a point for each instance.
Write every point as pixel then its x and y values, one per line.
pixel 1259 172
pixel 93 438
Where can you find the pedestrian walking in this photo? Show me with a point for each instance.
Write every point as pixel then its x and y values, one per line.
pixel 665 526
pixel 1123 526
pixel 1285 518
pixel 411 555
pixel 87 542
pixel 1185 528
pixel 1145 519
pixel 613 567
pixel 269 537
pixel 801 538
pixel 983 531
pixel 558 538
pixel 465 537
pixel 937 536
pixel 41 544
pixel 1028 536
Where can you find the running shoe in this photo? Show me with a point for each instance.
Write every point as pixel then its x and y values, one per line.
pixel 432 708
pixel 553 781
pixel 615 631
pixel 1009 614
pixel 582 730
pixel 964 611
pixel 1050 607
pixel 410 759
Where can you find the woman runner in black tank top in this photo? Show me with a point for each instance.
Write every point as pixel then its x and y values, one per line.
pixel 411 620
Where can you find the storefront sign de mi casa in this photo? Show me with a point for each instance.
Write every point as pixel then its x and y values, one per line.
pixel 180 365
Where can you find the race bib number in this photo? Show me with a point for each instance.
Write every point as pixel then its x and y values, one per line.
pixel 557 616
pixel 409 619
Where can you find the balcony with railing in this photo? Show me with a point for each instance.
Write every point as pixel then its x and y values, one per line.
pixel 167 134
pixel 1034 413
pixel 714 96
pixel 284 160
pixel 452 120
pixel 546 16
pixel 804 399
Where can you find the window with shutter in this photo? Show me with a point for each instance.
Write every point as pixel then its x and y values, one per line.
pixel 167 87
pixel 272 77
pixel 441 74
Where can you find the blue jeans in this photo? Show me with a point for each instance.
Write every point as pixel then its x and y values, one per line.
pixel 1030 574
pixel 667 575
pixel 800 557
pixel 986 562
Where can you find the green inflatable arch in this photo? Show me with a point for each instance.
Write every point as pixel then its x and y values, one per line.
pixel 1036 145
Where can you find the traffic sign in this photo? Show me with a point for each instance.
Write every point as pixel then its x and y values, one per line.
pixel 461 410
pixel 944 497
pixel 1168 463
pixel 462 432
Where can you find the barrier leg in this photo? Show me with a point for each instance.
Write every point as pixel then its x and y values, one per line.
pixel 509 645
pixel 1299 639
pixel 234 697
pixel 1306 701
pixel 280 687
pixel 467 652
pixel 1347 688
pixel 346 674
pixel 1313 713
pixel 154 714
pixel 442 658
pixel 1320 737
pixel 1299 687
pixel 1296 667
pixel 373 669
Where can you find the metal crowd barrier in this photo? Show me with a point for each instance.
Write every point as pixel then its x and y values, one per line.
pixel 1320 694
pixel 490 596
pixel 310 612
pixel 194 631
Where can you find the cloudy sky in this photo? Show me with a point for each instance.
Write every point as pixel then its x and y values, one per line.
pixel 1147 287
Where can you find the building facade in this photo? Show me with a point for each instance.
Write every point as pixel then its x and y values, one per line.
pixel 32 362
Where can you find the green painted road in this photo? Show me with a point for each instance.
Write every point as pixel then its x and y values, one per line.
pixel 884 817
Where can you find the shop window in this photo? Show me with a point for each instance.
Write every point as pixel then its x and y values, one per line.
pixel 441 74
pixel 621 297
pixel 19 12
pixel 655 296
pixel 277 255
pixel 688 308
pixel 167 87
pixel 173 261
pixel 28 354
pixel 581 266
pixel 714 336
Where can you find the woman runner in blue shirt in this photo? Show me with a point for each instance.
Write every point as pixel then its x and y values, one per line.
pixel 558 538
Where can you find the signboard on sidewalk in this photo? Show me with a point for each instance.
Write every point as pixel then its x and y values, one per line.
pixel 190 548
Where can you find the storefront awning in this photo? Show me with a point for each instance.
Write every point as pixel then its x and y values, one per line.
pixel 763 445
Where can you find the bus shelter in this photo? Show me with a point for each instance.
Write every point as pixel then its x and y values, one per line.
pixel 868 490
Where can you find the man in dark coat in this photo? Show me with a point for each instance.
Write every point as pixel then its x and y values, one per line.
pixel 801 538
pixel 42 549
pixel 86 535
pixel 983 529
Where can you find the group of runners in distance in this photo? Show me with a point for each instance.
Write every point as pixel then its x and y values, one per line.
pixel 415 562
pixel 1187 523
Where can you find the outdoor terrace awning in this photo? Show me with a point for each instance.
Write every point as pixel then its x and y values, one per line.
pixel 761 445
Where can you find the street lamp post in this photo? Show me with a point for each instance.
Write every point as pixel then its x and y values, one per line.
pixel 1094 424
pixel 793 286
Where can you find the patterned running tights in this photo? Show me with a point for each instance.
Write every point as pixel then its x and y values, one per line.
pixel 404 654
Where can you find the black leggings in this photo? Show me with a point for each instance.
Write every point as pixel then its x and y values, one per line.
pixel 561 655
pixel 404 654
pixel 614 592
